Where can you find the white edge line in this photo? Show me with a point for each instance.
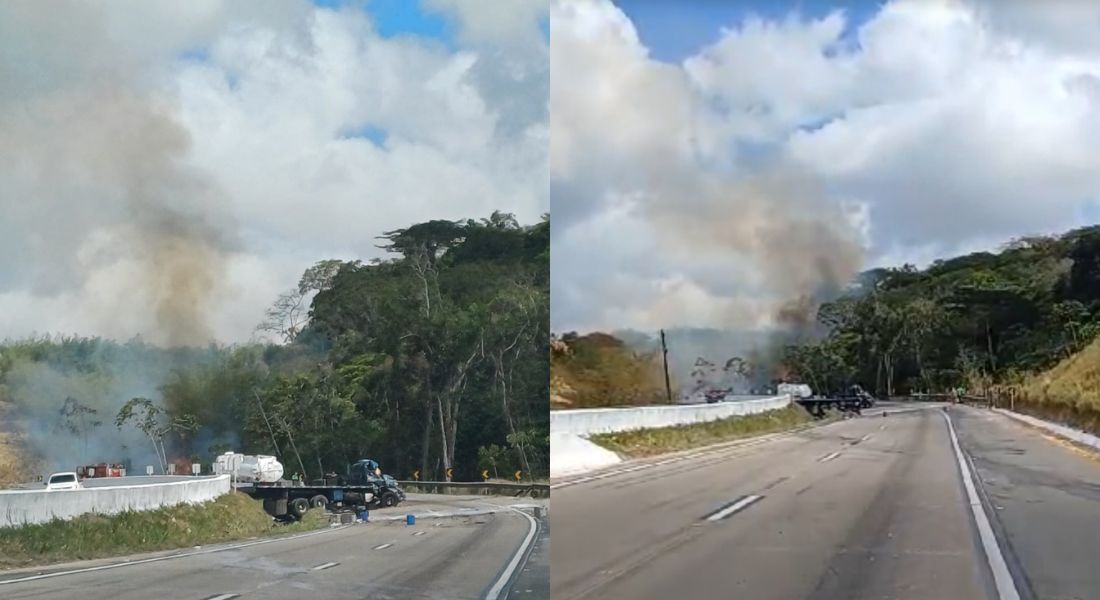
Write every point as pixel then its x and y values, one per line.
pixel 131 563
pixel 498 587
pixel 324 566
pixel 729 510
pixel 1006 587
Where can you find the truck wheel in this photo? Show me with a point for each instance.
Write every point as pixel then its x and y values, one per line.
pixel 298 507
pixel 389 499
pixel 318 501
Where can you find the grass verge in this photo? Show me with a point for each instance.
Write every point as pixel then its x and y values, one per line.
pixel 233 516
pixel 649 442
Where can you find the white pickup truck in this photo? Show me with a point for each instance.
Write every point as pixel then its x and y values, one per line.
pixel 63 481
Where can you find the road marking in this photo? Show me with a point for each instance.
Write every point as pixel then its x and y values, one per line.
pixel 382 547
pixel 736 445
pixel 828 457
pixel 130 563
pixel 420 533
pixel 736 506
pixel 324 566
pixel 498 587
pixel 866 437
pixel 1006 587
pixel 882 427
pixel 222 597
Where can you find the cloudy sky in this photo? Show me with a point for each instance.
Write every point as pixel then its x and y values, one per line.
pixel 167 168
pixel 709 165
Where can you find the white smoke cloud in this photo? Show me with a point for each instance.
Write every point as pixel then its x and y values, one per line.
pixel 788 154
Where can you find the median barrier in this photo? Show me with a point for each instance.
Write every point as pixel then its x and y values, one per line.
pixel 589 421
pixel 22 507
pixel 571 453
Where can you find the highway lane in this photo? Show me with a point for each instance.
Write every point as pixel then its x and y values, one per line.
pixel 438 558
pixel 872 507
pixel 1044 498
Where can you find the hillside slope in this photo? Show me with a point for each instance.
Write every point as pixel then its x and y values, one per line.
pixel 598 369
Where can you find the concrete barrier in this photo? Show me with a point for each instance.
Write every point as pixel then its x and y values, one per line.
pixel 1081 437
pixel 589 421
pixel 21 507
pixel 571 453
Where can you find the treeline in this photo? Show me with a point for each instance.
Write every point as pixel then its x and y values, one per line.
pixel 435 358
pixel 968 321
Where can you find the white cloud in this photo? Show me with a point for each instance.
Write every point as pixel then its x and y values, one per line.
pixel 932 128
pixel 244 121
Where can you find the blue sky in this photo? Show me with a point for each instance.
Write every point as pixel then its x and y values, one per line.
pixel 672 33
pixel 401 17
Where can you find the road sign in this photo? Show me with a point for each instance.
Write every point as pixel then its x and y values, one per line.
pixel 171 469
pixel 518 474
pixel 450 473
pixel 148 469
pixel 485 474
pixel 196 468
pixel 416 475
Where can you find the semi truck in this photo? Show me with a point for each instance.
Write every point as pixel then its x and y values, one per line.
pixel 260 476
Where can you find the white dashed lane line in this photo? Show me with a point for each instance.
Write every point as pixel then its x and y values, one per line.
pixel 732 508
pixel 382 546
pixel 324 566
pixel 420 533
pixel 828 457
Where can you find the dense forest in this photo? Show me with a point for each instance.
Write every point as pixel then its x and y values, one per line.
pixel 431 359
pixel 972 321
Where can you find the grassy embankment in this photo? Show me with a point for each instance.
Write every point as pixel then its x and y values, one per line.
pixel 1067 393
pixel 649 442
pixel 597 370
pixel 233 516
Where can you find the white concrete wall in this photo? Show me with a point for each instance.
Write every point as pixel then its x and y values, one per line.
pixel 19 507
pixel 588 421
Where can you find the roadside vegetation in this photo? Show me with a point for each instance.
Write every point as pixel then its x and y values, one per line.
pixel 1019 322
pixel 650 442
pixel 231 517
pixel 597 370
pixel 434 358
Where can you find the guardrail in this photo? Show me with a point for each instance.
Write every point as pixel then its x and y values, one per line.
pixel 22 507
pixel 485 488
pixel 588 421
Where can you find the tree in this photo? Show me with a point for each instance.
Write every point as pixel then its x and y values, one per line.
pixel 156 423
pixel 78 419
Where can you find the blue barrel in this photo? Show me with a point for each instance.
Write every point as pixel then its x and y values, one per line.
pixel 410 519
pixel 365 515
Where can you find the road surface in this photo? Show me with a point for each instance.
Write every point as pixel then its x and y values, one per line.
pixel 437 558
pixel 871 507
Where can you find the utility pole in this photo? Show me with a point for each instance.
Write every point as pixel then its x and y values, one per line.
pixel 664 356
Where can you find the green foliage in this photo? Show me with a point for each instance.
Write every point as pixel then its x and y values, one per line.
pixel 416 361
pixel 965 321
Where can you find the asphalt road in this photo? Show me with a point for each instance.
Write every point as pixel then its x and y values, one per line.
pixel 872 507
pixel 456 557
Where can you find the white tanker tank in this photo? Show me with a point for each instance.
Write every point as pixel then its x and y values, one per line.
pixel 248 468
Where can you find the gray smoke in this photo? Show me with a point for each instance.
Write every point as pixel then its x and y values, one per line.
pixel 800 247
pixel 97 194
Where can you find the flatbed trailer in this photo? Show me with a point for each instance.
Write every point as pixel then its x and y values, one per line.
pixel 289 501
pixel 817 406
